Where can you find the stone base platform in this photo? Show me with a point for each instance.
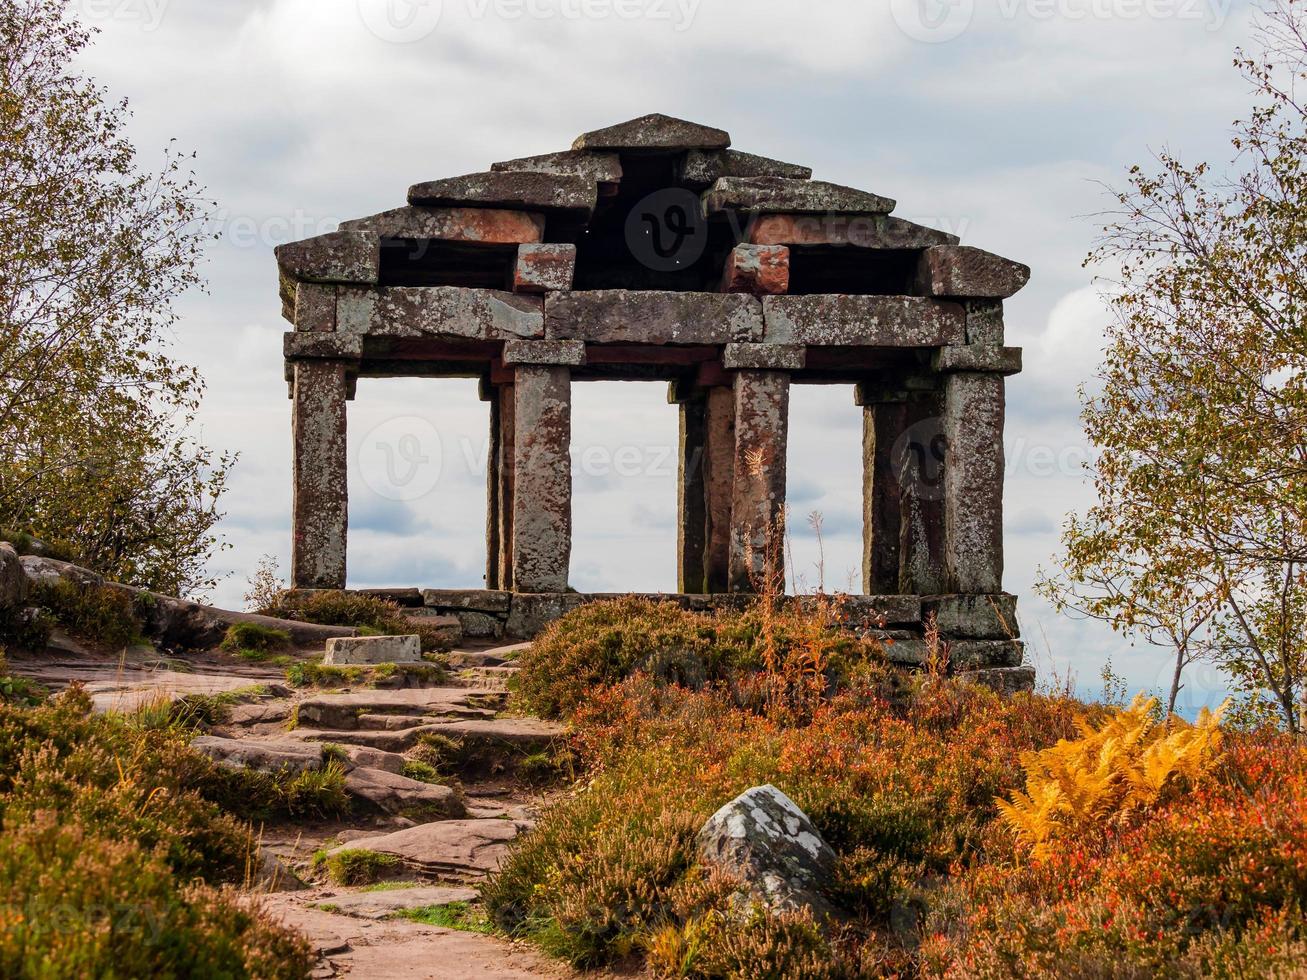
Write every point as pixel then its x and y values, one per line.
pixel 980 631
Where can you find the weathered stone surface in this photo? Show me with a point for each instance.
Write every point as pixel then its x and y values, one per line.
pixel 374 650
pixel 762 409
pixel 542 504
pixel 978 357
pixel 320 518
pixel 691 521
pixel 654 132
pixel 481 626
pixel 764 357
pixel 13 579
pixel 363 757
pixel 265 756
pixel 329 346
pixel 883 424
pixel 974 617
pixel 970 273
pixel 1004 680
pixel 853 230
pixel 985 321
pixel 502 189
pixel 783 195
pixel 762 270
pixel 338 256
pixel 270 874
pixel 315 307
pixel 473 847
pixel 973 483
pixel 389 902
pixel 618 316
pixel 765 842
pixel 718 487
pixel 401 796
pixel 400 597
pixel 602 168
pixel 705 167
pixel 544 268
pixel 486 226
pixel 901 647
pixel 873 610
pixel 567 353
pixel 973 654
pixel 477 600
pixel 863 321
pixel 532 613
pixel 440 311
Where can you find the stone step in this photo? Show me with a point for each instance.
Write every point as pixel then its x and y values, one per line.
pixel 342 711
pixel 461 848
pixel 400 796
pixel 518 735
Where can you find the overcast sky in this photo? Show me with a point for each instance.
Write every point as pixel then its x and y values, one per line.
pixel 998 121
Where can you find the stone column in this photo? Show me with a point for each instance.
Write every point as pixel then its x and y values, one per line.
pixel 691 501
pixel 320 512
pixel 504 487
pixel 493 479
pixel 974 404
pixel 762 409
pixel 884 421
pixel 542 497
pixel 718 487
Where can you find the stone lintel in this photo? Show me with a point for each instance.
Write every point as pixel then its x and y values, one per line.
pixel 703 168
pixel 877 231
pixel 964 272
pixel 619 316
pixel 762 270
pixel 322 346
pixel 978 357
pixel 544 268
pixel 654 132
pixel 440 311
pixel 315 308
pixel 974 617
pixel 336 257
pixel 764 357
pixel 542 499
pixel 601 168
pixel 863 321
pixel 566 353
pixel 784 195
pixel 510 190
pixel 484 226
pixel 973 483
pixel 902 389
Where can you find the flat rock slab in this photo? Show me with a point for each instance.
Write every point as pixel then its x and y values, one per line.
pixel 654 132
pixel 130 690
pixel 400 796
pixel 343 710
pixel 263 755
pixel 374 650
pixel 523 734
pixel 509 189
pixel 380 904
pixel 465 847
pixel 784 195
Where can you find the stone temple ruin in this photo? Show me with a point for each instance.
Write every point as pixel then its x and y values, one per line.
pixel 653 251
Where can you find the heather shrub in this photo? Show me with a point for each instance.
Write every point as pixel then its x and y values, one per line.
pixel 364 612
pixel 99 613
pixel 256 638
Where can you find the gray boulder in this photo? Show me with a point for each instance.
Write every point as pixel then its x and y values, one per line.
pixel 764 841
pixel 13 580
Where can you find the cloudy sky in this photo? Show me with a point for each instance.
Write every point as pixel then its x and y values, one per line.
pixel 998 120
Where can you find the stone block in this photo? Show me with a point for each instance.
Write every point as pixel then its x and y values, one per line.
pixel 407 598
pixel 440 311
pixel 762 405
pixel 872 610
pixel 485 226
pixel 481 626
pixel 973 483
pixel 705 167
pixel 978 357
pixel 1003 680
pixel 654 132
pixel 337 257
pixel 544 268
pixel 964 272
pixel 320 515
pixel 901 647
pixel 474 600
pixel 315 308
pixel 374 650
pixel 542 500
pixel 784 195
pixel 877 231
pixel 764 357
pixel 974 617
pixel 569 353
pixel 619 316
pixel 322 346
pixel 601 168
pixel 983 654
pixel 985 321
pixel 530 614
pixel 509 190
pixel 762 270
pixel 862 321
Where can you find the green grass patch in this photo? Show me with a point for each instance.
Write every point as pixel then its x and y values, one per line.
pixel 456 915
pixel 246 639
pixel 355 866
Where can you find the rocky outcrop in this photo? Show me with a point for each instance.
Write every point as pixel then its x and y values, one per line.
pixel 765 842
